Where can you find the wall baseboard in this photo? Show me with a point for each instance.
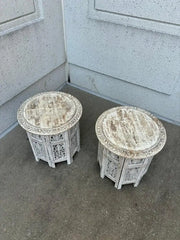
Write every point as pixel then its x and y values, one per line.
pixel 15 124
pixel 119 102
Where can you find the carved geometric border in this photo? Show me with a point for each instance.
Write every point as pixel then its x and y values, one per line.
pixel 132 21
pixel 149 152
pixel 49 131
pixel 21 22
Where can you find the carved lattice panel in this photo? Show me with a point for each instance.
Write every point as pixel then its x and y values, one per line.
pixel 73 144
pixel 59 137
pixel 39 149
pixel 136 161
pixel 111 169
pixel 59 151
pixel 132 174
pixel 121 170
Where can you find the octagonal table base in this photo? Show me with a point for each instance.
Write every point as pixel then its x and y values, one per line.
pixel 121 170
pixel 56 148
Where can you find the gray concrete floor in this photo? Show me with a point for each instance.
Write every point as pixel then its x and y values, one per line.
pixel 74 203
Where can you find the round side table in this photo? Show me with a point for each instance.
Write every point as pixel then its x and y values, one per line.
pixel 51 120
pixel 128 137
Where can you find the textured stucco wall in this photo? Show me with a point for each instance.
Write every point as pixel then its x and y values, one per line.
pixel 30 55
pixel 130 64
pixel 8 111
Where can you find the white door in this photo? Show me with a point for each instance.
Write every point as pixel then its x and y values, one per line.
pixel 128 51
pixel 32 54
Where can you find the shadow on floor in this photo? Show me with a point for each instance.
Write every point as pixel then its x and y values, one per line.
pixel 74 203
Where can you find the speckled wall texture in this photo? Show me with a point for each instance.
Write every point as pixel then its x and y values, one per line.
pixel 31 50
pixel 129 52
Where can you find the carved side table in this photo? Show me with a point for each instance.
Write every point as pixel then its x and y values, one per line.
pixel 51 120
pixel 128 137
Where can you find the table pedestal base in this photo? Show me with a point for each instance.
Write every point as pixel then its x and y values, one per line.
pixel 121 170
pixel 56 148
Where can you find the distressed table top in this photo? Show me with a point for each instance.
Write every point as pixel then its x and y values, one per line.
pixel 49 113
pixel 130 132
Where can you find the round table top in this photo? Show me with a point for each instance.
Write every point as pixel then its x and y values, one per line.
pixel 130 132
pixel 49 113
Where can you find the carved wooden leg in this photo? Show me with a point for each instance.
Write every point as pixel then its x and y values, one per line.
pixel 49 153
pixel 34 152
pixel 68 150
pixel 119 186
pixel 52 165
pixel 103 166
pixel 78 138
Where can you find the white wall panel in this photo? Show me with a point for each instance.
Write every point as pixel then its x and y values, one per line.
pixel 17 14
pixel 11 9
pixel 28 54
pixel 162 105
pixel 155 15
pixel 31 47
pixel 152 10
pixel 136 56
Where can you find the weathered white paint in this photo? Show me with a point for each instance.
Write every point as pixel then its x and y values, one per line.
pixel 56 148
pixel 140 59
pixel 51 120
pixel 128 139
pixel 121 170
pixel 28 54
pixel 49 113
pixel 130 132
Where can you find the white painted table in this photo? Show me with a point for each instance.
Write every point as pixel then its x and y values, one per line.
pixel 128 137
pixel 51 120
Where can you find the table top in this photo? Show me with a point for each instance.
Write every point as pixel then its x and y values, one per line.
pixel 130 132
pixel 49 113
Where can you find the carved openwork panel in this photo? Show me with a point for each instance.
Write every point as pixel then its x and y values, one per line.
pixel 36 137
pixel 51 120
pixel 39 149
pixel 111 169
pixel 121 170
pixel 128 137
pixel 74 143
pixel 73 130
pixel 59 151
pixel 132 162
pixel 58 137
pixel 113 156
pixel 55 148
pixel 131 174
